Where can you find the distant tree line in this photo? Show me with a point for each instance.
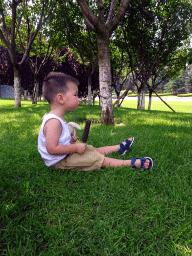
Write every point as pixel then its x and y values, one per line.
pixel 68 65
pixel 175 85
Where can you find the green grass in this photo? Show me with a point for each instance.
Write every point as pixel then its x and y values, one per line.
pixel 178 106
pixel 185 95
pixel 165 94
pixel 113 211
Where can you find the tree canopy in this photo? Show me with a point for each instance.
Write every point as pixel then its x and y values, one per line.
pixel 152 34
pixel 27 17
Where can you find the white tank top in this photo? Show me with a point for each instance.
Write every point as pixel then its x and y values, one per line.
pixel 64 139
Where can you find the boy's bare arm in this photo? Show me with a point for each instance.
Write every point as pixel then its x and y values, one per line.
pixel 52 131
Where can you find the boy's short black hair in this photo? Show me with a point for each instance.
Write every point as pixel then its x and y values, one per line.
pixel 56 82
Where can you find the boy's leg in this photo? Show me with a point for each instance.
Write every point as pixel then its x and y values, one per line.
pixel 111 162
pixel 110 149
pixel 107 149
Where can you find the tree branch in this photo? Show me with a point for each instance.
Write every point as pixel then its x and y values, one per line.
pixel 159 97
pixel 121 11
pixel 14 6
pixel 91 20
pixel 19 23
pixel 30 62
pixel 5 41
pixel 34 34
pixel 49 14
pixel 89 25
pixel 101 12
pixel 110 15
pixel 48 54
pixel 122 96
pixel 3 18
pixel 22 46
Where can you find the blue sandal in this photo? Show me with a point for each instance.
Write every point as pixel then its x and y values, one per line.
pixel 124 148
pixel 143 160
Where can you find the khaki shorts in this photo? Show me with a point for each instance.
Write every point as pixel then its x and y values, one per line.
pixel 88 161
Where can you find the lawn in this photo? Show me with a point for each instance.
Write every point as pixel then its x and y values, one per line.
pixel 178 106
pixel 113 211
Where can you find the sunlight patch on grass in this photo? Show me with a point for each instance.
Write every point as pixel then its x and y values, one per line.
pixel 183 249
pixel 9 206
pixel 178 106
pixel 120 125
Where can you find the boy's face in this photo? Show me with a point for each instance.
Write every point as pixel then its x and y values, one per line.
pixel 71 97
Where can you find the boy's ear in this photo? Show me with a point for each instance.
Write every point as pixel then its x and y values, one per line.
pixel 60 98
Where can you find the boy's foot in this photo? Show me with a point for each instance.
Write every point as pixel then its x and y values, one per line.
pixel 124 146
pixel 144 163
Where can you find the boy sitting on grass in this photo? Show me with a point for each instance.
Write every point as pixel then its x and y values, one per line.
pixel 55 143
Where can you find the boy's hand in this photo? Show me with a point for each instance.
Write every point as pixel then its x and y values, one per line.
pixel 81 147
pixel 73 138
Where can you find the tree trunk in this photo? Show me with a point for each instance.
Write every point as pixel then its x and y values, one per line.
pixel 17 86
pixel 25 94
pixel 150 100
pixel 107 116
pixel 139 101
pixel 186 77
pixel 89 90
pixel 143 100
pixel 35 92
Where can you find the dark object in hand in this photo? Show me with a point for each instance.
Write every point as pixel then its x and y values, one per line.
pixel 86 131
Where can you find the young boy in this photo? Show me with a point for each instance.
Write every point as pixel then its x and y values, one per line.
pixel 55 144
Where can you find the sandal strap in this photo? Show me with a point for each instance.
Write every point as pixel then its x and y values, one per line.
pixel 128 143
pixel 133 160
pixel 122 148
